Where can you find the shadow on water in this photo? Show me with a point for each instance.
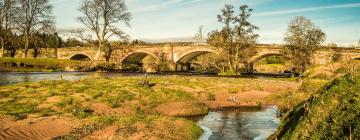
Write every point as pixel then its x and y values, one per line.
pixel 239 124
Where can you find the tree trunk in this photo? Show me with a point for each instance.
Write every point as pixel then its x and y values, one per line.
pixel 98 53
pixel 26 45
pixel 55 52
pixel 2 48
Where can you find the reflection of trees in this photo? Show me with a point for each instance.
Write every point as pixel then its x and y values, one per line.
pixel 224 117
pixel 26 78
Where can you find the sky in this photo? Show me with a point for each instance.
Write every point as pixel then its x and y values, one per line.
pixel 178 20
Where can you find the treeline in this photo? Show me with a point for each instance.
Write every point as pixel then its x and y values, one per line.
pixel 25 25
pixel 237 39
pixel 29 25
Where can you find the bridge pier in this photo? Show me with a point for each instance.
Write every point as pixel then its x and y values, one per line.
pixel 181 67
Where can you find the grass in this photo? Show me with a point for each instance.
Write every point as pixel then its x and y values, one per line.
pixel 131 106
pixel 75 99
pixel 324 109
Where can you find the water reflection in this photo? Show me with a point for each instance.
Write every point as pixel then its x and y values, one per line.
pixel 239 125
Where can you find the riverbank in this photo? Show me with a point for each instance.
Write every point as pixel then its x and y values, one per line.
pixel 51 65
pixel 135 108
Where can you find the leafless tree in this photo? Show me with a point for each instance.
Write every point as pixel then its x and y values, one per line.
pixel 103 18
pixel 200 35
pixel 7 17
pixel 34 16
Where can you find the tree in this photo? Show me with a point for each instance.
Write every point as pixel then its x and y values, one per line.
pixel 34 16
pixel 245 38
pixel 199 36
pixel 237 37
pixel 73 42
pixel 7 21
pixel 302 39
pixel 51 40
pixel 103 17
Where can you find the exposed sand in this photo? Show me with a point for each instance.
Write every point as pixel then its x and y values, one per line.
pixel 36 128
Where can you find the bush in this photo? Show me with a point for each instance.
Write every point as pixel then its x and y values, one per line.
pixel 104 67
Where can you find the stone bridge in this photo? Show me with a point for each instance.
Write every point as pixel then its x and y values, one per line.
pixel 180 55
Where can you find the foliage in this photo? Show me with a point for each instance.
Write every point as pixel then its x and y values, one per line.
pixel 237 37
pixel 336 56
pixel 303 39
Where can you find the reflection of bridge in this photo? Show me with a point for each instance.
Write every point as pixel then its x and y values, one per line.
pixel 181 55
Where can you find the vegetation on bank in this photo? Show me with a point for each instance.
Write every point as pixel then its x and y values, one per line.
pixel 8 64
pixel 324 110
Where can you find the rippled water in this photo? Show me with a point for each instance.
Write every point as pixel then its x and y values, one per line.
pixel 239 125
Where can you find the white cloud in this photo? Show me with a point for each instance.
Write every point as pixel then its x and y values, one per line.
pixel 311 9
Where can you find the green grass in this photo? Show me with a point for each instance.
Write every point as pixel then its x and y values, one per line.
pixel 332 112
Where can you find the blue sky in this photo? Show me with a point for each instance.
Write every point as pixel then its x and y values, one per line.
pixel 177 19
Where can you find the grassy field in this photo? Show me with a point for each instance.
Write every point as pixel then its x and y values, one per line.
pixel 125 108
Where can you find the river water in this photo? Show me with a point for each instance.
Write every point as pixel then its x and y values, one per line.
pixel 234 124
pixel 239 124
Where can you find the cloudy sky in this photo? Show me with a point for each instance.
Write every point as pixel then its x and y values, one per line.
pixel 175 19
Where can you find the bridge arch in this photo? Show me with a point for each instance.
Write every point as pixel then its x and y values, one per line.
pixel 81 57
pixel 256 66
pixel 256 58
pixel 189 55
pixel 137 56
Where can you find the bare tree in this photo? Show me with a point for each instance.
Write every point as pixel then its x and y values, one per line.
pixel 34 16
pixel 7 16
pixel 200 35
pixel 303 39
pixel 103 18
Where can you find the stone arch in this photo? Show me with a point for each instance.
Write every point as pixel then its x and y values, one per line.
pixel 132 61
pixel 256 58
pixel 137 56
pixel 81 56
pixel 189 55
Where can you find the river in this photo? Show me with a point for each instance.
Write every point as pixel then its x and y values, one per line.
pixel 239 124
pixel 234 124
